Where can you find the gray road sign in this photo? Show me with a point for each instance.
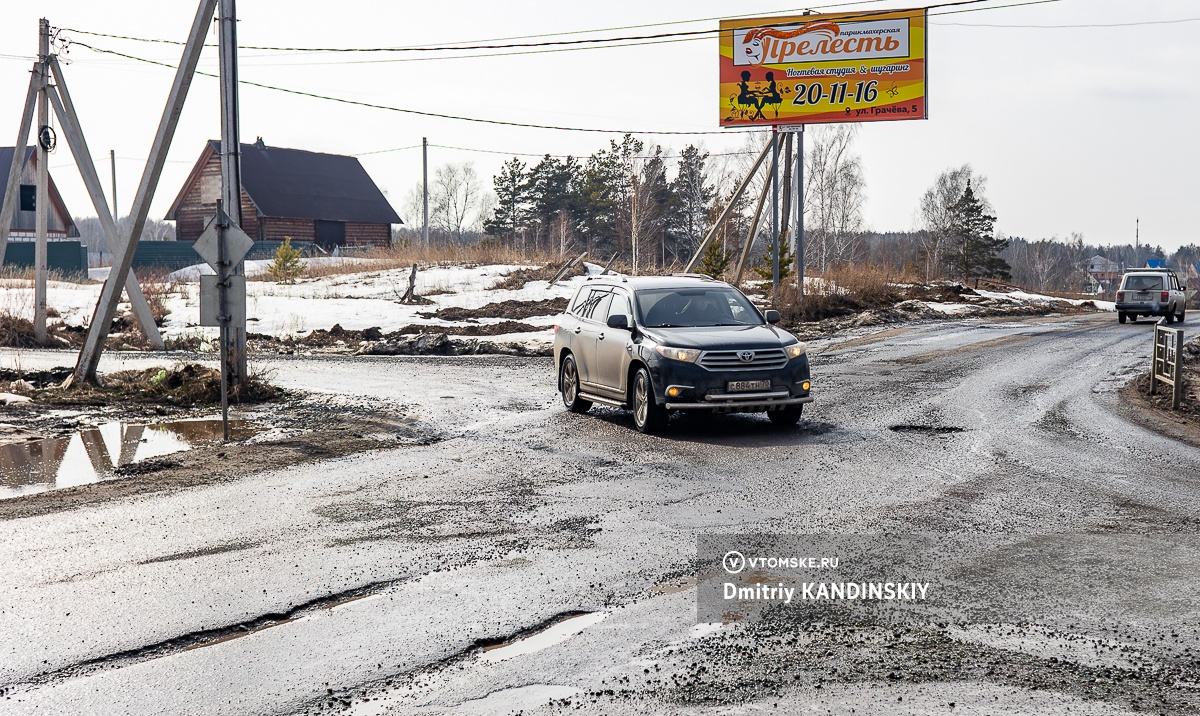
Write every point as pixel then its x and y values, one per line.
pixel 210 301
pixel 237 244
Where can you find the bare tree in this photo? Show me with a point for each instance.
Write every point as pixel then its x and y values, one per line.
pixel 834 194
pixel 455 200
pixel 936 214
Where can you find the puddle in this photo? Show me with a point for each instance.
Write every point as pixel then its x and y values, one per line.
pixel 93 454
pixel 551 635
pixel 926 429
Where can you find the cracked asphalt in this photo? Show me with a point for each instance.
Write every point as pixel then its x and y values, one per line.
pixel 535 561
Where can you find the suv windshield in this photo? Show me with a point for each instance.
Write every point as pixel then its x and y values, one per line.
pixel 1143 283
pixel 692 307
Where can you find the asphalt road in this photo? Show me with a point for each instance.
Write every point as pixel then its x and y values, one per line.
pixel 373 583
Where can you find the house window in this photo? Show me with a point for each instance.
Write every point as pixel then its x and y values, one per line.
pixel 28 197
pixel 330 234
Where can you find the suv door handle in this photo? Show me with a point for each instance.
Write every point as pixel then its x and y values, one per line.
pixel 578 329
pixel 600 337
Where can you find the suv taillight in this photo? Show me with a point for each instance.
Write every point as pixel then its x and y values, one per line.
pixel 1165 296
pixel 1120 295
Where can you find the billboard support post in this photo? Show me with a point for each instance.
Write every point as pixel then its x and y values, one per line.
pixel 798 249
pixel 774 212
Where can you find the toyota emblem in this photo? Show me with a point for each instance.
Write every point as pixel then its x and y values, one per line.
pixel 746 356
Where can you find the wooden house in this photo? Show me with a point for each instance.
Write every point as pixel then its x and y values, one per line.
pixel 59 225
pixel 325 198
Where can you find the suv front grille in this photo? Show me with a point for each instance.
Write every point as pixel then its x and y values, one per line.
pixel 731 360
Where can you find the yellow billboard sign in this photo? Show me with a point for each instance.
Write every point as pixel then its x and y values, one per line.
pixel 846 67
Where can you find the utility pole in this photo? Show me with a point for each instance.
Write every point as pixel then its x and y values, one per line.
pixel 799 247
pixel 231 175
pixel 425 190
pixel 43 180
pixel 775 213
pixel 112 160
pixel 633 224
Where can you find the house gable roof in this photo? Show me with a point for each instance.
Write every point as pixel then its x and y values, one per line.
pixel 6 157
pixel 294 183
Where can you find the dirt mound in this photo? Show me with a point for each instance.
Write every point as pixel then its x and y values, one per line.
pixel 516 280
pixel 439 344
pixel 182 385
pixel 514 310
pixel 37 378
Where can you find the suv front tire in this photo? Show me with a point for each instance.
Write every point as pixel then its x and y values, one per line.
pixel 648 415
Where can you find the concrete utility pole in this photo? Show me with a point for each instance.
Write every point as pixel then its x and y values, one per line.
pixel 18 162
pixel 43 183
pixel 112 160
pixel 231 172
pixel 425 190
pixel 633 224
pixel 110 295
pixel 775 212
pixel 799 247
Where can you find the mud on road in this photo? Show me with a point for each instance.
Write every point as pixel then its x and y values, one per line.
pixel 540 562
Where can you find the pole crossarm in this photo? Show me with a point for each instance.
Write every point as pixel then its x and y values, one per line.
pixel 110 295
pixel 60 100
pixel 729 209
pixel 18 160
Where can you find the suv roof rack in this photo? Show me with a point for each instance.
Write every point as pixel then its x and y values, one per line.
pixel 681 274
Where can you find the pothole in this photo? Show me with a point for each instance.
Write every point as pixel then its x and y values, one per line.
pixel 927 429
pixel 555 633
pixel 94 453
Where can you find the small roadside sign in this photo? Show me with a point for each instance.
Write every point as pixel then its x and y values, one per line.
pixel 210 301
pixel 237 244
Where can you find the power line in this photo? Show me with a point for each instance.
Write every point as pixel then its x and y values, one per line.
pixel 479 44
pixel 402 110
pixel 534 154
pixel 559 45
pixel 528 125
pixel 1064 27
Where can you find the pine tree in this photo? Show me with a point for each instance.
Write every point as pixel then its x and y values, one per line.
pixel 511 201
pixel 714 260
pixel 786 258
pixel 974 250
pixel 286 267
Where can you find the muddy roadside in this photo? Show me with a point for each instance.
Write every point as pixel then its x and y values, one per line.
pixel 1154 412
pixel 277 429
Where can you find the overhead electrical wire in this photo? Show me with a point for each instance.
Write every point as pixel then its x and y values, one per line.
pixel 531 125
pixel 533 154
pixel 480 44
pixel 558 45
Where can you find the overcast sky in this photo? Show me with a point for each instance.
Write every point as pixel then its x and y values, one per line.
pixel 1077 129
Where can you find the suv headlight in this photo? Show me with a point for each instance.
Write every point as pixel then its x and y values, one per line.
pixel 687 355
pixel 795 350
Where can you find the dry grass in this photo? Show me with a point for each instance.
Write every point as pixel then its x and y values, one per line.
pixel 403 257
pixel 843 290
pixel 157 286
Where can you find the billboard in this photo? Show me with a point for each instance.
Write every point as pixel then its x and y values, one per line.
pixel 845 67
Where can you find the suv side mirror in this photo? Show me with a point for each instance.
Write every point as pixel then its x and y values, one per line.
pixel 772 316
pixel 619 321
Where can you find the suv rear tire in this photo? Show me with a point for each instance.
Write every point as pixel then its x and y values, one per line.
pixel 648 415
pixel 786 417
pixel 1121 317
pixel 568 384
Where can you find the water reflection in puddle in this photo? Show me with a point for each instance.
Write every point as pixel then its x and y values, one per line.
pixel 92 454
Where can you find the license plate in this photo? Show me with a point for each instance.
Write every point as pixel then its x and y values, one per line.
pixel 748 386
pixel 1142 296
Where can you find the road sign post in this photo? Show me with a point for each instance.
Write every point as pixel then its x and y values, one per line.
pixel 223 296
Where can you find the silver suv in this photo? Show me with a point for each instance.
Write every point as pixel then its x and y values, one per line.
pixel 1151 292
